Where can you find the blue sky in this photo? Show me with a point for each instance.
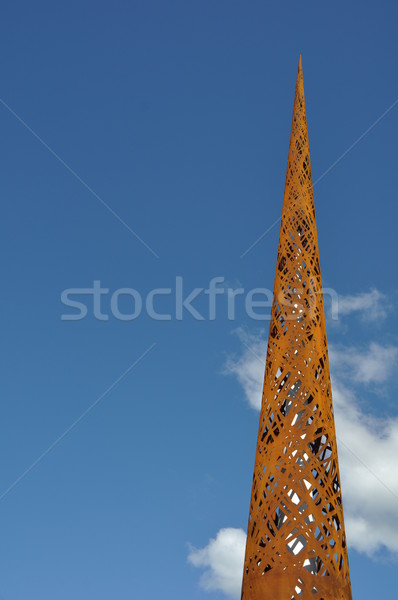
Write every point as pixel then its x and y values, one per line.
pixel 177 116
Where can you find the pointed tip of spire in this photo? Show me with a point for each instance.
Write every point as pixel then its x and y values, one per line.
pixel 299 81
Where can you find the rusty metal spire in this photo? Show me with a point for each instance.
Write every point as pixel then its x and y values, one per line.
pixel 296 544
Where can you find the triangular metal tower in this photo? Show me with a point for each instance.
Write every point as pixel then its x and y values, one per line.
pixel 296 544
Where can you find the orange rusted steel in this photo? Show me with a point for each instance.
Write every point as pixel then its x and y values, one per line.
pixel 296 544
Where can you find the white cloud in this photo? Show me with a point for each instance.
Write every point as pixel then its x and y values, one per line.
pixel 364 365
pixel 373 305
pixel 249 367
pixel 368 447
pixel 222 559
pixel 368 450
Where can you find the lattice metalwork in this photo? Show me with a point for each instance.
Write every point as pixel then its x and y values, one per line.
pixel 296 546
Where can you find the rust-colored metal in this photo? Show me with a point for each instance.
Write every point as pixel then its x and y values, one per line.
pixel 296 545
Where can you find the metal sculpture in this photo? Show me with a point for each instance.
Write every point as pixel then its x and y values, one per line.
pixel 296 544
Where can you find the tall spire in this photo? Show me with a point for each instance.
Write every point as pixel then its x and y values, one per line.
pixel 296 545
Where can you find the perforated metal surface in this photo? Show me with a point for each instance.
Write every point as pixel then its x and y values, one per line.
pixel 296 547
